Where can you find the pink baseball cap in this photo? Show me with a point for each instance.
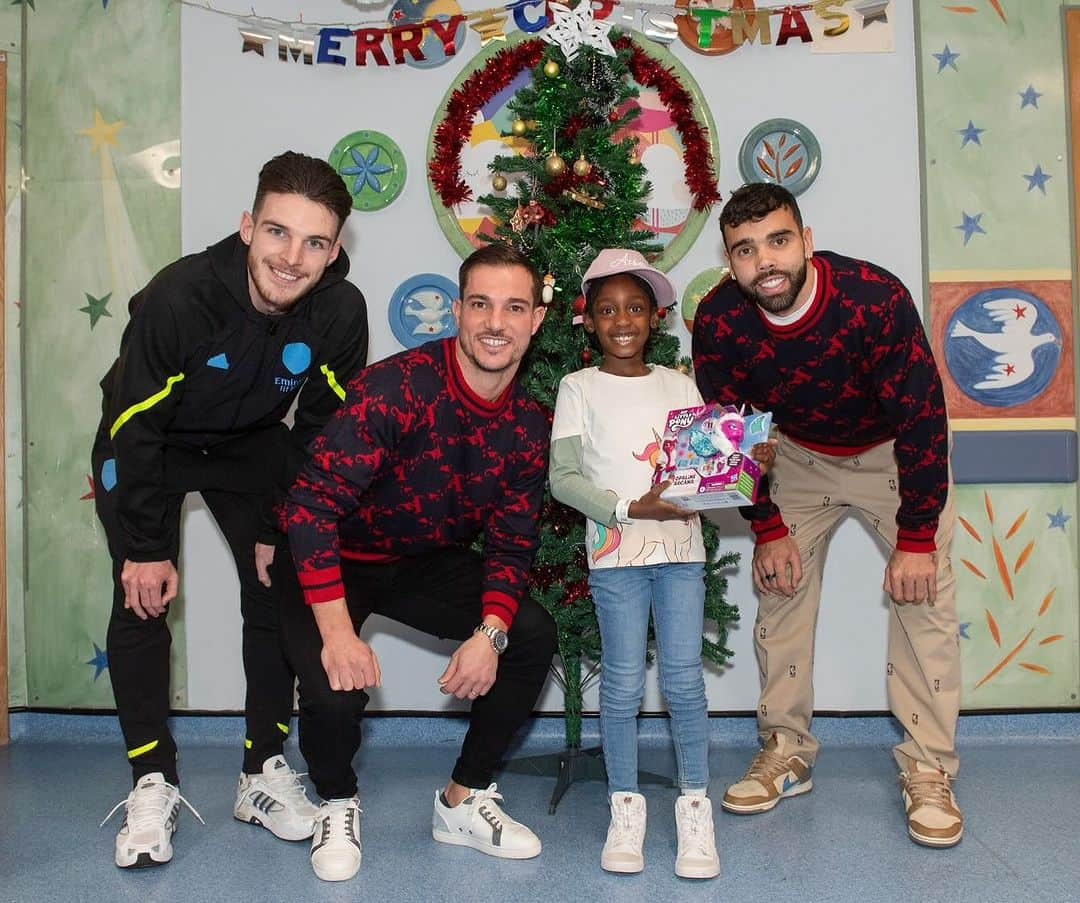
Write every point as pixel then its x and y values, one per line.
pixel 613 261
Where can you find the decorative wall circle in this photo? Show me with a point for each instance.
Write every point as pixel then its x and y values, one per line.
pixel 1002 346
pixel 372 166
pixel 697 288
pixel 420 309
pixel 670 214
pixel 781 151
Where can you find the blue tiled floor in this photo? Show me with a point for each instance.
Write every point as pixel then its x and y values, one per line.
pixel 845 841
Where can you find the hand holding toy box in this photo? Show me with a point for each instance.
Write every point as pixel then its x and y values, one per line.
pixel 705 452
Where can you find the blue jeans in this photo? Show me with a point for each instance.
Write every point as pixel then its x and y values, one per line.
pixel 676 595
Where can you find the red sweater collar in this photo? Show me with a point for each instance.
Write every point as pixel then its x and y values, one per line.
pixel 813 310
pixel 461 392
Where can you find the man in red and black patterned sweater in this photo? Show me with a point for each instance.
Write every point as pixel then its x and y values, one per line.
pixel 834 347
pixel 432 447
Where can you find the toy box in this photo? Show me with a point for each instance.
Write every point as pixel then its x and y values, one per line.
pixel 705 452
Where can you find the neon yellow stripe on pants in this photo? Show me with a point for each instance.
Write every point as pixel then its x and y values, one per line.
pixel 145 405
pixel 139 750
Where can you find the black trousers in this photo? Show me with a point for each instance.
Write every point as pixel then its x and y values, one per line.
pixel 438 593
pixel 138 650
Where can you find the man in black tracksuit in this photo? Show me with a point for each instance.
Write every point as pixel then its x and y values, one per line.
pixel 217 349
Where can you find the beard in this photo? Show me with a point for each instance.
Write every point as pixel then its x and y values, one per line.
pixel 469 345
pixel 277 298
pixel 777 304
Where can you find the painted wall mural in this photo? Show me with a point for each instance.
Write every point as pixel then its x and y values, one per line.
pixel 101 215
pixel 1006 347
pixel 1002 324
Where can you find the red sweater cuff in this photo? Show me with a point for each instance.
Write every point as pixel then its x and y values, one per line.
pixel 769 530
pixel 499 604
pixel 917 539
pixel 321 585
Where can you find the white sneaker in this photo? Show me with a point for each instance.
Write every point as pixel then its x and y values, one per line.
pixel 150 815
pixel 478 822
pixel 697 856
pixel 625 835
pixel 276 800
pixel 335 848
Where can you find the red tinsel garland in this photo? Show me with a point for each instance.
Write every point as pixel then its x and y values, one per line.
pixel 444 169
pixel 697 157
pixel 452 133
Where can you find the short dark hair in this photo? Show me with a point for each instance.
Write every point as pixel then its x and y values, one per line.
pixel 310 177
pixel 596 284
pixel 499 254
pixel 756 201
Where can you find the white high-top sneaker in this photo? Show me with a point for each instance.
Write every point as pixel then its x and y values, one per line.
pixel 697 856
pixel 626 834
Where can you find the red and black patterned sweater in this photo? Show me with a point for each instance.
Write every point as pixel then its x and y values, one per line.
pixel 854 371
pixel 413 461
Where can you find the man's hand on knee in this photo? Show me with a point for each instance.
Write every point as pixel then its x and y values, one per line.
pixel 149 586
pixel 777 567
pixel 348 661
pixel 472 669
pixel 350 664
pixel 911 577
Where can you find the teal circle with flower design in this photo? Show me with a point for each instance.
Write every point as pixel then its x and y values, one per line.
pixel 372 166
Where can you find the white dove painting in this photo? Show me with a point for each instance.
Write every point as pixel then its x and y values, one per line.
pixel 421 309
pixel 1003 346
pixel 432 309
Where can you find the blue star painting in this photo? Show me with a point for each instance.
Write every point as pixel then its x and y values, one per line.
pixel 1029 97
pixel 946 58
pixel 970 225
pixel 100 661
pixel 1058 519
pixel 1037 179
pixel 970 134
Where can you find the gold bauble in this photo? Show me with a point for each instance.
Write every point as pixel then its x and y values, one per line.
pixel 582 167
pixel 518 127
pixel 551 69
pixel 554 165
pixel 499 183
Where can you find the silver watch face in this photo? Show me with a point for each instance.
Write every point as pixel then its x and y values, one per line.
pixel 499 641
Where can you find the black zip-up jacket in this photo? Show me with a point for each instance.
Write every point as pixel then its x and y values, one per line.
pixel 200 369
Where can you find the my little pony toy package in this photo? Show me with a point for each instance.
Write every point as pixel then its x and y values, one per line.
pixel 705 453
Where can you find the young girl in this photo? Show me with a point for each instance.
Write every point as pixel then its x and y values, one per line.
pixel 644 553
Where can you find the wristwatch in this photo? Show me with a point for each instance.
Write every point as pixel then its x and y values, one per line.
pixel 499 640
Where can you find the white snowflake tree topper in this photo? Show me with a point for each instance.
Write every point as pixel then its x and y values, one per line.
pixel 576 28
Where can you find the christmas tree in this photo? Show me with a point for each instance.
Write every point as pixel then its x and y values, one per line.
pixel 581 189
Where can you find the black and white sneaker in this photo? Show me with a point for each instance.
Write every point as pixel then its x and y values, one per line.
pixel 150 816
pixel 335 846
pixel 276 800
pixel 479 822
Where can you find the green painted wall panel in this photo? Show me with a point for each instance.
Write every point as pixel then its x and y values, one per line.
pixel 103 91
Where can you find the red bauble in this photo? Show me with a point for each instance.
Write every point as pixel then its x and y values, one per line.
pixel 586 356
pixel 579 305
pixel 613 116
